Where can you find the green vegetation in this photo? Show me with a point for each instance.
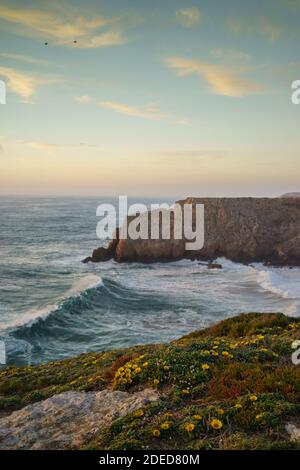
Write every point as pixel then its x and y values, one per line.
pixel 231 386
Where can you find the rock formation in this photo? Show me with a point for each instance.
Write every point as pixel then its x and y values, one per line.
pixel 67 420
pixel 240 229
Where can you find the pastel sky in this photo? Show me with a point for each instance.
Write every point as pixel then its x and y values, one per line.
pixel 154 98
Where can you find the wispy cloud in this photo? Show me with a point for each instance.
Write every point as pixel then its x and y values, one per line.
pixel 83 99
pixel 193 154
pixel 230 55
pixel 258 25
pixel 223 80
pixel 52 146
pixel 291 4
pixel 25 58
pixel 63 27
pixel 189 17
pixel 149 111
pixel 24 84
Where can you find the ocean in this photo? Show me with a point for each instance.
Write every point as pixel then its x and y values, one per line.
pixel 52 306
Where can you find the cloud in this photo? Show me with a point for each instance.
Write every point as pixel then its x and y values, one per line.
pixel 193 154
pixel 266 27
pixel 84 99
pixel 24 84
pixel 150 111
pixel 63 27
pixel 46 145
pixel 147 112
pixel 24 58
pixel 189 17
pixel 292 4
pixel 259 25
pixel 223 80
pixel 230 55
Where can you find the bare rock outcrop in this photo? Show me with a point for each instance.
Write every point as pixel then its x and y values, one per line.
pixel 240 229
pixel 68 420
pixel 293 431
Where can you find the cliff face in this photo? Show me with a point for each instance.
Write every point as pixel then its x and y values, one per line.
pixel 240 229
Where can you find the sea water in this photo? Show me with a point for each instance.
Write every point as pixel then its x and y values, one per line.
pixel 52 306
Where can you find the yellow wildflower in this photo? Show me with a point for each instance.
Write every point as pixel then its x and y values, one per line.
pixel 139 413
pixel 197 417
pixel 155 382
pixel 216 423
pixel 138 370
pixel 165 425
pixel 205 366
pixel 259 416
pixel 238 406
pixel 156 432
pixel 189 427
pixel 220 411
pixel 253 398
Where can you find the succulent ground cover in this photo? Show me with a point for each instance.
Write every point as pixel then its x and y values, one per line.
pixel 230 386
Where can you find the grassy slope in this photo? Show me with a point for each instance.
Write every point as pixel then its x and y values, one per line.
pixel 236 376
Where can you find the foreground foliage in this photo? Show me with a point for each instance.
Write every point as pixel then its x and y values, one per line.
pixel 231 386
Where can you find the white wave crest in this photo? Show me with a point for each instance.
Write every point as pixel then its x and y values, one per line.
pixel 80 286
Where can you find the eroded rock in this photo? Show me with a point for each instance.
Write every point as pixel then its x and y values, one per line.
pixel 68 420
pixel 293 431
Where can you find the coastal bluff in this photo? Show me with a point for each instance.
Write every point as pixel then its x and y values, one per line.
pixel 232 385
pixel 240 229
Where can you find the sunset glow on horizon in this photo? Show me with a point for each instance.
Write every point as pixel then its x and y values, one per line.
pixel 168 99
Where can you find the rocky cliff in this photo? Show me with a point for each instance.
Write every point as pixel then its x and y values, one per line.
pixel 240 229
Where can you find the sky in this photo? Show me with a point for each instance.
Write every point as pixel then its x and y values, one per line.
pixel 165 98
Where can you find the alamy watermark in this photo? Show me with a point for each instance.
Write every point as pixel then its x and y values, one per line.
pixel 296 353
pixel 296 94
pixel 2 353
pixel 160 222
pixel 2 92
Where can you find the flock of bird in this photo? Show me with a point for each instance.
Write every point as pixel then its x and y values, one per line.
pixel 46 43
